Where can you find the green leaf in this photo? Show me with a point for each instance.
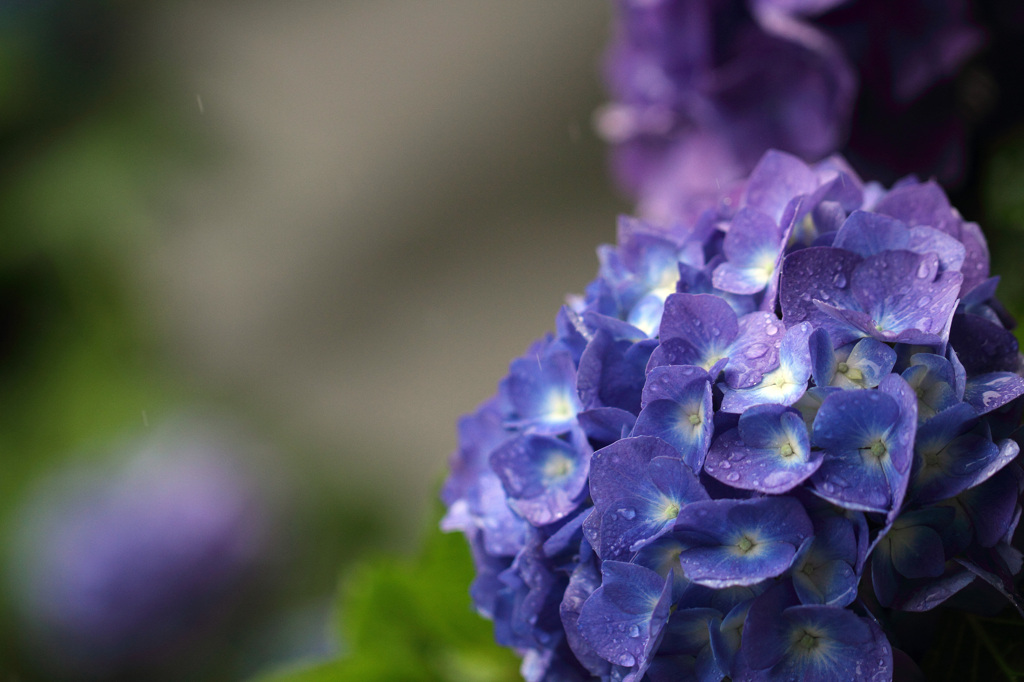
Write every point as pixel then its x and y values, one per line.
pixel 411 620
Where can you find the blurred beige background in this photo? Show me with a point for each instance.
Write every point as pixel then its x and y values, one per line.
pixel 405 193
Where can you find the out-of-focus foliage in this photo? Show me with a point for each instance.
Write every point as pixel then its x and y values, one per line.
pixel 411 620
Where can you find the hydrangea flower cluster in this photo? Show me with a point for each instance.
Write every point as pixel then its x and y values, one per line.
pixel 755 438
pixel 701 88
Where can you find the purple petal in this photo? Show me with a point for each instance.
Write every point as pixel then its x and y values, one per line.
pixel 901 293
pixel 740 542
pixel 821 274
pixel 991 391
pixel 623 618
pixel 543 477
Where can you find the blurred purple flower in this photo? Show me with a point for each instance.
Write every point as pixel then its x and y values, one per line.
pixel 117 567
pixel 702 88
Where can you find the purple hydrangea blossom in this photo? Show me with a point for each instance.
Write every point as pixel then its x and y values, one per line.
pixel 747 483
pixel 702 88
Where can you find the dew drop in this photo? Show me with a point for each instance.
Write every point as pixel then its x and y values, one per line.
pixel 628 513
pixel 725 465
pixel 839 280
pixel 922 270
pixel 634 631
pixel 755 350
pixel 771 330
pixel 733 477
pixel 737 456
pixel 627 660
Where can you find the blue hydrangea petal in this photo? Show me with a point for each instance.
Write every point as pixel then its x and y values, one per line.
pixel 584 581
pixel 474 493
pixel 819 274
pixel 623 619
pixel 606 424
pixel 783 385
pixel 726 639
pixel 638 485
pixel 951 457
pixel 988 392
pixel 661 555
pixel 544 477
pixel 775 181
pixel 755 350
pixel 931 377
pixel 901 439
pixel 740 542
pixel 611 372
pixel 865 438
pixel 926 594
pixel 839 648
pixel 991 507
pixel 810 402
pixel 686 420
pixel 702 322
pixel 672 382
pixel 752 248
pixel 867 363
pixel 769 452
pixel 687 631
pixel 867 233
pixel 541 389
pixel 916 551
pixel 810 642
pixel 823 357
pixel 905 296
pixel 826 572
pixel 951 252
pixel 982 345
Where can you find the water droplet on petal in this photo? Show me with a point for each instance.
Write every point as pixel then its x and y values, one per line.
pixel 733 477
pixel 922 270
pixel 628 513
pixel 755 350
pixel 839 280
pixel 634 631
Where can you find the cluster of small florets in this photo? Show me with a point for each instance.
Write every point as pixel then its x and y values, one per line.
pixel 753 440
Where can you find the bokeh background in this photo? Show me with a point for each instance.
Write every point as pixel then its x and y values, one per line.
pixel 257 258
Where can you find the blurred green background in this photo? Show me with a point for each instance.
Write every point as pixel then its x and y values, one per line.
pixel 321 227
